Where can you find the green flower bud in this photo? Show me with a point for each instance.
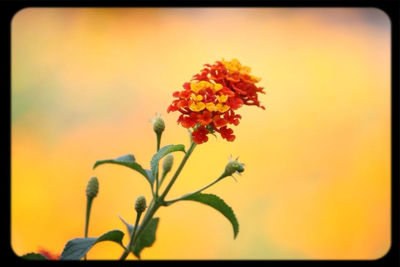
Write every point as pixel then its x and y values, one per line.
pixel 233 166
pixel 158 125
pixel 92 187
pixel 167 164
pixel 140 204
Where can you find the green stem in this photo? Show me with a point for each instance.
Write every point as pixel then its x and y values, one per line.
pixel 158 148
pixel 162 178
pixel 146 219
pixel 178 171
pixel 158 141
pixel 88 208
pixel 169 202
pixel 159 201
pixel 130 245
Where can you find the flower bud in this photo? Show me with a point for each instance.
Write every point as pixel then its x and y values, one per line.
pixel 140 204
pixel 167 164
pixel 92 187
pixel 233 167
pixel 158 125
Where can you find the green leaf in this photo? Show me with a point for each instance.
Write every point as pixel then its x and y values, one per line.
pixel 162 153
pixel 78 247
pixel 218 204
pixel 129 227
pixel 128 161
pixel 147 238
pixel 34 256
pixel 151 178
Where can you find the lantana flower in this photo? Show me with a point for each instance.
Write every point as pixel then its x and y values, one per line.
pixel 208 102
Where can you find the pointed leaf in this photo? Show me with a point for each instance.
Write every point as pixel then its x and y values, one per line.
pixel 78 247
pixel 151 178
pixel 128 161
pixel 162 153
pixel 129 227
pixel 147 238
pixel 34 256
pixel 218 204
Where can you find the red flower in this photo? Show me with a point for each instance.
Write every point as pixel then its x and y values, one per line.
pixel 212 96
pixel 188 121
pixel 48 254
pixel 219 122
pixel 235 102
pixel 232 118
pixel 199 135
pixel 205 118
pixel 227 133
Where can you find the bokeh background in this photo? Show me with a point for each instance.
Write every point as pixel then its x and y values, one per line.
pixel 86 82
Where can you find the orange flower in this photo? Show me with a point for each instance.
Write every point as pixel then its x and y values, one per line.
pixel 208 102
pixel 204 118
pixel 227 133
pixel 48 254
pixel 200 135
pixel 219 122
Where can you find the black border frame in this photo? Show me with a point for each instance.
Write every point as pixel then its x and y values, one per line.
pixel 9 8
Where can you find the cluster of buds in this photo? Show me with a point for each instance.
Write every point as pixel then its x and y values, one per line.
pixel 140 204
pixel 92 188
pixel 158 125
pixel 209 101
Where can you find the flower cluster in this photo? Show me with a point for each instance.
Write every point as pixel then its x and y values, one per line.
pixel 209 101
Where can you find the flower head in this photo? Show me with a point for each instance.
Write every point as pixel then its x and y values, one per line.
pixel 208 102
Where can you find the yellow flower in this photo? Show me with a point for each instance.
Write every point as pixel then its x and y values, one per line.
pixel 197 86
pixel 245 70
pixel 196 97
pixel 222 108
pixel 210 106
pixel 197 106
pixel 255 79
pixel 217 87
pixel 234 65
pixel 222 98
pixel 194 86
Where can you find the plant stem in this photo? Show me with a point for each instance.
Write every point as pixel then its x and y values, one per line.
pixel 167 203
pixel 158 141
pixel 162 178
pixel 146 219
pixel 158 148
pixel 130 245
pixel 185 158
pixel 88 208
pixel 159 201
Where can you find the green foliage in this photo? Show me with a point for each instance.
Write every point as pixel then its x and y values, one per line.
pixel 128 161
pixel 129 227
pixel 160 154
pixel 218 204
pixel 147 238
pixel 34 256
pixel 145 235
pixel 76 248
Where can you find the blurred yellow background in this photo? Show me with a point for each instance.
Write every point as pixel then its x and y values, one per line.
pixel 86 82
